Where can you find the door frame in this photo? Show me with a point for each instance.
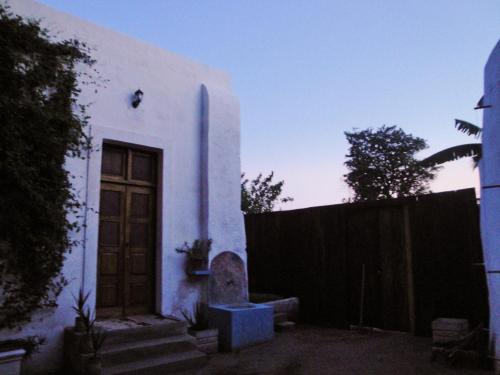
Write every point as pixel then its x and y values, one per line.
pixel 100 135
pixel 126 186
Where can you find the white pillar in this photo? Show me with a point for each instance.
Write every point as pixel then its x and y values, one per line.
pixel 490 192
pixel 221 216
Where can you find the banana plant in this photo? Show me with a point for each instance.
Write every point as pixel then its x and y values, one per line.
pixel 473 150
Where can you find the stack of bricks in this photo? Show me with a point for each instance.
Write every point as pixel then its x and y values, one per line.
pixel 445 330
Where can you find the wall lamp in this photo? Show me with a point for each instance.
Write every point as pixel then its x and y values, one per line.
pixel 137 98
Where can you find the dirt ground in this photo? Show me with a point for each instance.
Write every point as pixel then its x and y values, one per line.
pixel 316 350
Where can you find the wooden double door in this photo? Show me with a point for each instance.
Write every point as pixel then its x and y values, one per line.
pixel 125 277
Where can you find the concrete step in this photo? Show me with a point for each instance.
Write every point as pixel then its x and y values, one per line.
pixel 280 317
pixel 170 328
pixel 159 365
pixel 139 350
pixel 284 326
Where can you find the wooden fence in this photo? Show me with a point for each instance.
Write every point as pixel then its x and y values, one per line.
pixel 421 256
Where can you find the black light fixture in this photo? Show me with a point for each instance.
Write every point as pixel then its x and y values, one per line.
pixel 137 98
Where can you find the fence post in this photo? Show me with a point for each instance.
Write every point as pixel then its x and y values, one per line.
pixel 409 267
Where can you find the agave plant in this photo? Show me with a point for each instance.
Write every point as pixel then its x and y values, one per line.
pixel 88 320
pixel 80 302
pixel 79 308
pixel 473 150
pixel 198 321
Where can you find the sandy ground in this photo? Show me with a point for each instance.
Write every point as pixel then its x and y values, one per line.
pixel 316 350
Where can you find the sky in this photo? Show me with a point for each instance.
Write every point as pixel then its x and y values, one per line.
pixel 306 71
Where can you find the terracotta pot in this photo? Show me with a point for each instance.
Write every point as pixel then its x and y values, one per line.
pixel 79 326
pixel 93 366
pixel 85 344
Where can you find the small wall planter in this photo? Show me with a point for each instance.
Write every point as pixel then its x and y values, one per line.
pixel 10 361
pixel 207 340
pixel 196 257
pixel 197 266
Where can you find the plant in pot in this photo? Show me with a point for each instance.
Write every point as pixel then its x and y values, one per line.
pixel 197 256
pixel 12 352
pixel 79 308
pixel 97 338
pixel 84 322
pixel 86 340
pixel 206 337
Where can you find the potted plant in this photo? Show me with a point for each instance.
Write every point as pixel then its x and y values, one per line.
pixel 79 308
pixel 206 337
pixel 12 352
pixel 84 322
pixel 197 256
pixel 86 340
pixel 97 338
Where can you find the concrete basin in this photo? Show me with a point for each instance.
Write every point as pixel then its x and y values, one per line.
pixel 242 324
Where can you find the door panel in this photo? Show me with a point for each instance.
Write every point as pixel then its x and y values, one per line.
pixel 125 276
pixel 142 167
pixel 140 235
pixel 111 235
pixel 114 163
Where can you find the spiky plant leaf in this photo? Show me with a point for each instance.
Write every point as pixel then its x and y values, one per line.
pixel 80 302
pixel 473 150
pixel 199 320
pixel 468 128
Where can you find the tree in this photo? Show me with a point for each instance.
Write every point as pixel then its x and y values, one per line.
pixel 382 164
pixel 473 150
pixel 260 194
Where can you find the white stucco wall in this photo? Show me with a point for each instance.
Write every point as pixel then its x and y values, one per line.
pixel 490 191
pixel 170 119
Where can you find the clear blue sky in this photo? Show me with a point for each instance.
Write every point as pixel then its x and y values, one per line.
pixel 308 70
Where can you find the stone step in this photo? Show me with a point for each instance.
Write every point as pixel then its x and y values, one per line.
pixel 280 317
pixel 284 326
pixel 159 365
pixel 139 350
pixel 160 330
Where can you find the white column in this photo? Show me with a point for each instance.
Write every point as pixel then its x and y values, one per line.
pixel 490 192
pixel 221 216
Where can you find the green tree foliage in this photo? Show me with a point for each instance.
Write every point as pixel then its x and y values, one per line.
pixel 473 150
pixel 382 164
pixel 261 194
pixel 41 124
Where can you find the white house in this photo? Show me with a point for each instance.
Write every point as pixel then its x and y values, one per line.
pixel 162 173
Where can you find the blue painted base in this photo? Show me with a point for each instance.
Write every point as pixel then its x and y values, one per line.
pixel 242 324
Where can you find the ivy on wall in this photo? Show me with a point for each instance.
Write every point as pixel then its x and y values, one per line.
pixel 40 125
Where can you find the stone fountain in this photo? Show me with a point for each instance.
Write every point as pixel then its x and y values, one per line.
pixel 240 322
